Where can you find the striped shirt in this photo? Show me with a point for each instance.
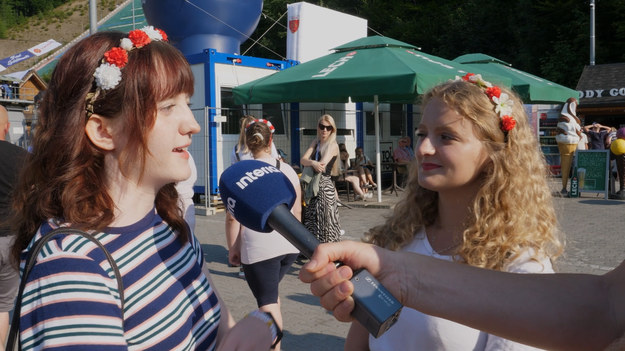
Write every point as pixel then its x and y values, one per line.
pixel 71 300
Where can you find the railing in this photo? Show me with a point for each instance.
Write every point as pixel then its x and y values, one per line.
pixel 16 93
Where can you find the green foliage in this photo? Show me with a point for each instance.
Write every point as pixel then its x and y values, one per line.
pixel 549 38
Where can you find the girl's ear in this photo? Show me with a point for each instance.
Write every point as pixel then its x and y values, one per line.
pixel 99 131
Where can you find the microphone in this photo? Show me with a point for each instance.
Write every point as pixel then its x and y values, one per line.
pixel 260 196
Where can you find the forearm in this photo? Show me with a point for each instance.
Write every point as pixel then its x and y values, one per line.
pixel 307 162
pixel 562 311
pixel 4 328
pixel 357 338
pixel 232 230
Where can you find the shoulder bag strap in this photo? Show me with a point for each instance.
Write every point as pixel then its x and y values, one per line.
pixel 30 263
pixel 236 153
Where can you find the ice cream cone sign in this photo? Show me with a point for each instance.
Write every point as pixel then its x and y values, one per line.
pixel 569 132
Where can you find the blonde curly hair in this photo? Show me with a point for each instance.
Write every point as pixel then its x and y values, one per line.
pixel 513 209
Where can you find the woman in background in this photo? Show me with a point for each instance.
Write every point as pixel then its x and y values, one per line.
pixel 321 214
pixel 266 257
pixel 240 152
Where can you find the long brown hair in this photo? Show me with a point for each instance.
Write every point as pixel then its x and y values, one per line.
pixel 64 177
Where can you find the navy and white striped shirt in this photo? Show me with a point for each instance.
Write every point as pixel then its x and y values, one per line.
pixel 71 300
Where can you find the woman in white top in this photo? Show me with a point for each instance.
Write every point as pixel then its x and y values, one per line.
pixel 266 257
pixel 478 195
pixel 240 151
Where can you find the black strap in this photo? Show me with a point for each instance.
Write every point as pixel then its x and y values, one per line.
pixel 30 263
pixel 278 164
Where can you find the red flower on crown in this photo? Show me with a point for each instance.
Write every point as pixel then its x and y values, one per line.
pixel 116 56
pixel 507 123
pixel 468 76
pixel 493 91
pixel 139 38
pixel 162 34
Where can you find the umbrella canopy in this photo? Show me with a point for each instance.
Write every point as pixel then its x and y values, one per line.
pixel 531 88
pixel 393 70
pixel 374 69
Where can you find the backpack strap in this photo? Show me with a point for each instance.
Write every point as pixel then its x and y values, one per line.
pixel 30 263
pixel 236 153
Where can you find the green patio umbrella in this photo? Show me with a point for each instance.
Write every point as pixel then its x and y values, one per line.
pixel 374 69
pixel 531 88
pixel 359 70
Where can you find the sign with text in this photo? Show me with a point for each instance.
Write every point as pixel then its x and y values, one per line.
pixel 593 171
pixel 36 50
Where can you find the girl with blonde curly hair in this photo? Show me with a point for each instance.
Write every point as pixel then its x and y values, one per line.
pixel 477 194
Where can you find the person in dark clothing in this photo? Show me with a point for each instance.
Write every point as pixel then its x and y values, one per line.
pixel 596 135
pixel 11 159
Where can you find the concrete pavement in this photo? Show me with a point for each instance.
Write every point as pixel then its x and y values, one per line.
pixel 594 227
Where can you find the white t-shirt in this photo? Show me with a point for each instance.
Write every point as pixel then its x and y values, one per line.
pixel 185 194
pixel 249 156
pixel 418 331
pixel 583 142
pixel 257 246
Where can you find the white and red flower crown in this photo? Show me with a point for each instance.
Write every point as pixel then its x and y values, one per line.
pixel 260 120
pixel 109 74
pixel 503 103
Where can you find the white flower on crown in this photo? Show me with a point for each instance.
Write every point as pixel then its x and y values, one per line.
pixel 152 33
pixel 107 76
pixel 477 79
pixel 503 104
pixel 126 44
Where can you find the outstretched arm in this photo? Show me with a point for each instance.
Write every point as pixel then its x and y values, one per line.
pixel 553 311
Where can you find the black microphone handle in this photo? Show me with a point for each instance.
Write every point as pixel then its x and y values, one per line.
pixel 282 220
pixel 375 308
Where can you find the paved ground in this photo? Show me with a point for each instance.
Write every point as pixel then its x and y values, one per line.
pixel 595 244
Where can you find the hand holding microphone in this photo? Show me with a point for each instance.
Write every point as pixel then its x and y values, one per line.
pixel 259 196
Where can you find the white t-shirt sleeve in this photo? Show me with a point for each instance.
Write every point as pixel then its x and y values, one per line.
pixel 274 151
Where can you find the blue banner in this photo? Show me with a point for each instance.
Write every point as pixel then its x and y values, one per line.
pixel 13 59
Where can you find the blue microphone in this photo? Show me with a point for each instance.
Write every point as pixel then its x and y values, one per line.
pixel 260 196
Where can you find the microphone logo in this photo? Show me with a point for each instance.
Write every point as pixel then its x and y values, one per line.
pixel 231 204
pixel 253 175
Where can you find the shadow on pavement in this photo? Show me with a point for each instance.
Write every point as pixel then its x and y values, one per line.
pixel 308 299
pixel 215 253
pixel 311 342
pixel 601 202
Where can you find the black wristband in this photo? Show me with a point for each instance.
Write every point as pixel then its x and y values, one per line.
pixel 278 330
pixel 267 317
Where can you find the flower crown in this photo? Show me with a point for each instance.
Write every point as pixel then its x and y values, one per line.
pixel 109 73
pixel 503 103
pixel 260 120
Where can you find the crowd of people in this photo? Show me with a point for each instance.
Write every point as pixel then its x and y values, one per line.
pixel 113 161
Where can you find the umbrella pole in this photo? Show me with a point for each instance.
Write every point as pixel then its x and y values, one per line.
pixel 378 164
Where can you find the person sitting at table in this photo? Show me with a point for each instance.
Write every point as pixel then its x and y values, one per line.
pixel 363 166
pixel 349 175
pixel 403 153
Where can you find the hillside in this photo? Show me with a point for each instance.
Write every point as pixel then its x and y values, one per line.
pixel 66 23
